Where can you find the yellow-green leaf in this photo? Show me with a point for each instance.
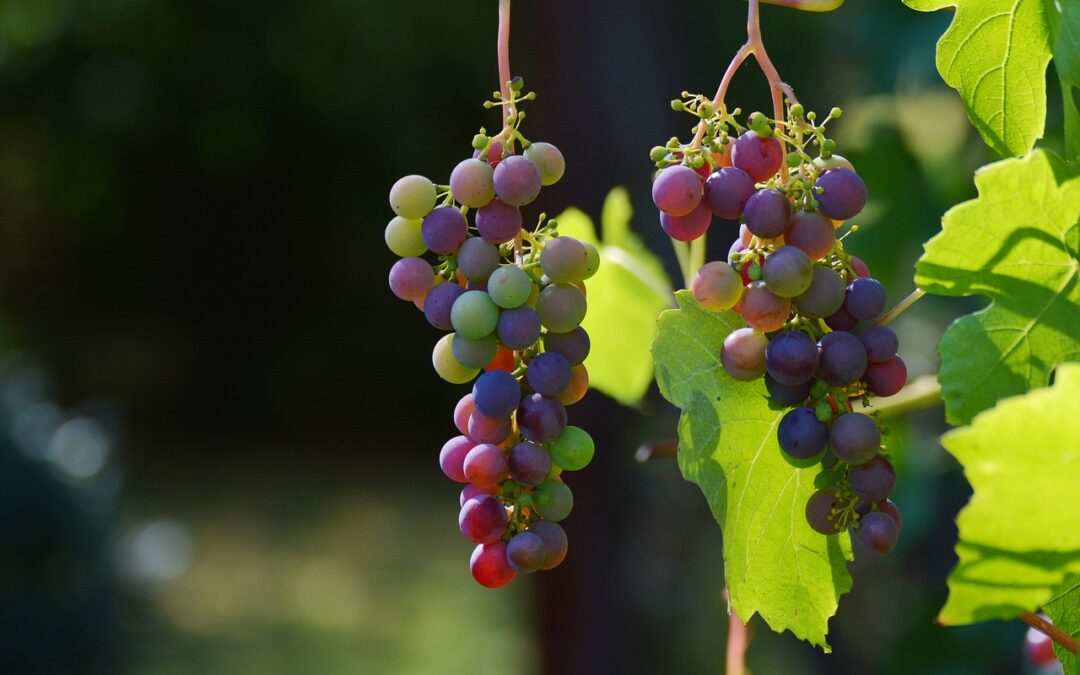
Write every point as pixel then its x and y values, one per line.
pixel 1064 610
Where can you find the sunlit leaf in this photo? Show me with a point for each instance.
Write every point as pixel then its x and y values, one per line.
pixel 1064 610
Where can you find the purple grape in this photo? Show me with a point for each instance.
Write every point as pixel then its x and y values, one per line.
pixel 518 328
pixel 439 302
pixel 843 194
pixel 444 230
pixel 843 358
pixel 881 343
pixel 888 507
pixel 530 464
pixel 865 298
pixel 496 393
pixel 841 319
pixel 574 346
pixel 811 232
pixel 564 259
pixel 517 180
pixel 855 438
pixel 677 190
pixel 555 543
pixel 485 465
pixel 727 190
pixel 757 156
pixel 484 429
pixel 548 373
pixel 743 354
pixel 489 565
pixel 482 519
pixel 411 278
pixel 477 259
pixel 819 510
pixel 688 227
pixel 874 480
pixel 791 358
pixel 787 272
pixel 787 394
pixel 825 295
pixel 498 222
pixel 470 491
pixel 540 419
pixel 525 552
pixel 471 183
pixel 763 309
pixel 494 153
pixel 877 532
pixel 768 213
pixel 801 434
pixel 452 458
pixel 887 378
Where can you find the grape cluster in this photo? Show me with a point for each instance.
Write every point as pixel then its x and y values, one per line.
pixel 804 298
pixel 511 300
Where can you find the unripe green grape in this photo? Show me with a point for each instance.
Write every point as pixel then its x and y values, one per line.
pixel 412 197
pixel 474 315
pixel 550 161
pixel 474 353
pixel 447 366
pixel 471 182
pixel 573 449
pixel 553 500
pixel 564 259
pixel 509 287
pixel 561 307
pixel 594 260
pixel 717 286
pixel 658 153
pixel 403 237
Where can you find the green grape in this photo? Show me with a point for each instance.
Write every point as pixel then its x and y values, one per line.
pixel 474 353
pixel 594 260
pixel 412 197
pixel 509 287
pixel 474 315
pixel 448 367
pixel 573 449
pixel 553 500
pixel 561 307
pixel 403 237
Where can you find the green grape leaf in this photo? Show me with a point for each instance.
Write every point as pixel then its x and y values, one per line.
pixel 1015 547
pixel 1064 610
pixel 774 564
pixel 1065 42
pixel 625 296
pixel 1017 244
pixel 994 54
pixel 808 5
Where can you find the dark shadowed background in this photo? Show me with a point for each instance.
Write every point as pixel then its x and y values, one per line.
pixel 219 428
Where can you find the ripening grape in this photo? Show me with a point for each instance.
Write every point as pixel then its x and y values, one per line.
pixel 525 552
pixel 474 353
pixel 452 458
pixel 687 227
pixel 477 259
pixel 865 298
pixel 842 194
pixel 759 157
pixel 880 342
pixel 548 159
pixel 529 464
pixel 509 287
pixel 727 190
pixel 763 309
pixel 843 358
pixel 873 481
pixel 787 272
pixel 573 449
pixel 825 296
pixel 553 500
pixel 474 315
pixel 541 419
pixel 403 237
pixel 518 328
pixel 574 345
pixel 484 429
pixel 489 565
pixel 470 491
pixel 878 532
pixel 677 190
pixel 444 230
pixel 494 153
pixel 471 183
pixel 517 180
pixel 579 386
pixel 496 394
pixel 564 259
pixel 555 543
pixel 859 267
pixel 485 465
pixel 548 373
pixel 801 434
pixel 811 232
pixel 717 286
pixel 448 367
pixel 412 197
pixel 561 307
pixel 886 378
pixel 743 354
pixel 411 278
pixel 438 304
pixel 462 411
pixel 482 519
pixel 592 255
pixel 819 510
pixel 498 222
pixel 787 394
pixel 768 213
pixel 855 438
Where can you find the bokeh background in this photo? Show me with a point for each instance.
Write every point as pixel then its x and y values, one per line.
pixel 218 429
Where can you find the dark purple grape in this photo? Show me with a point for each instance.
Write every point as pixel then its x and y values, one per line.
pixel 482 519
pixel 759 157
pixel 574 346
pixel 489 565
pixel 477 259
pixel 841 319
pixel 843 194
pixel 801 434
pixel 791 358
pixel 887 378
pixel 541 419
pixel 819 510
pixel 525 552
pixel 877 532
pixel 880 342
pixel 444 230
pixel 555 543
pixel 688 227
pixel 498 222
pixel 767 213
pixel 825 295
pixel 874 480
pixel 787 394
pixel 530 464
pixel 865 298
pixel 787 272
pixel 677 190
pixel 888 507
pixel 518 328
pixel 411 278
pixel 811 232
pixel 438 303
pixel 855 438
pixel 553 500
pixel 517 180
pixel 548 373
pixel 843 358
pixel 727 190
pixel 496 393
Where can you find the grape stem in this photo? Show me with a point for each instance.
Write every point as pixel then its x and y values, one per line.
pixel 1053 632
pixel 504 63
pixel 900 307
pixel 738 640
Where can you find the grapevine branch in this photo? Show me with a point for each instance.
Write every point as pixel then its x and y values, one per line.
pixel 504 60
pixel 738 641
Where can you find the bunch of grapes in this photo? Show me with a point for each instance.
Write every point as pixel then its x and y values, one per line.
pixel 805 300
pixel 511 300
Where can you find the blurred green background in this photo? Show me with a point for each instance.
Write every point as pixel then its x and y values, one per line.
pixel 219 429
